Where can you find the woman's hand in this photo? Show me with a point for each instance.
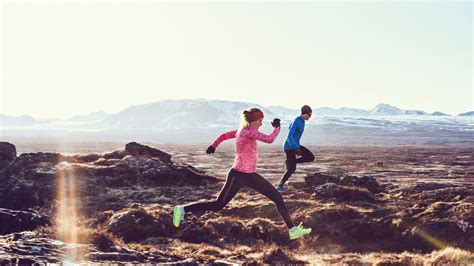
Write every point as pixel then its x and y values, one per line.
pixel 210 149
pixel 276 122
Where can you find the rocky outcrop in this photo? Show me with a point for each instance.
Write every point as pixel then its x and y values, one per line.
pixel 343 188
pixel 440 225
pixel 137 149
pixel 7 152
pixel 18 221
pixel 318 179
pixel 347 213
pixel 18 195
pixel 31 247
pixel 367 182
pixel 137 224
pixel 7 156
pixel 34 176
pixel 34 166
pixel 334 192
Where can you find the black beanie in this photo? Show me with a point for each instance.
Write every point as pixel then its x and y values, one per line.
pixel 306 109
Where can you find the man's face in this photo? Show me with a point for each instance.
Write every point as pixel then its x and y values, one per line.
pixel 307 116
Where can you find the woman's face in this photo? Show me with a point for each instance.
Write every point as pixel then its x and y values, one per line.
pixel 256 124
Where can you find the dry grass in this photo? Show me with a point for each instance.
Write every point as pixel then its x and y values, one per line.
pixel 249 229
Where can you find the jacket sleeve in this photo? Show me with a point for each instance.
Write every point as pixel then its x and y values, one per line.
pixel 225 136
pixel 291 133
pixel 265 138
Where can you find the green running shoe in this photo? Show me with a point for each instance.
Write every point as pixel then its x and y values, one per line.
pixel 299 231
pixel 178 215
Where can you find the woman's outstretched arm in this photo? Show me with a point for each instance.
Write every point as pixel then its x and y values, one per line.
pixel 225 136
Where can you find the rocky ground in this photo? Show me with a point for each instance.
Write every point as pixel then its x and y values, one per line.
pixel 396 205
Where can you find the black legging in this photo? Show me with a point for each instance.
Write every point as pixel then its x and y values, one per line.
pixel 291 161
pixel 235 181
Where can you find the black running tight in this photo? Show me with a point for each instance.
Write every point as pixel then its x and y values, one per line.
pixel 235 181
pixel 291 161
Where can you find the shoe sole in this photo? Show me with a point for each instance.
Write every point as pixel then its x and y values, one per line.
pixel 301 236
pixel 175 213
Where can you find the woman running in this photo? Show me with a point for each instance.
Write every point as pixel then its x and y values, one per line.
pixel 243 172
pixel 292 147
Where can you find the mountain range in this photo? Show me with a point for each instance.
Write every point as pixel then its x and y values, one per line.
pixel 201 113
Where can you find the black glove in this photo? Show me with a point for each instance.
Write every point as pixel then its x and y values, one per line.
pixel 298 151
pixel 276 122
pixel 210 149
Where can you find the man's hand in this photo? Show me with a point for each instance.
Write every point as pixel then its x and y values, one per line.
pixel 276 122
pixel 210 149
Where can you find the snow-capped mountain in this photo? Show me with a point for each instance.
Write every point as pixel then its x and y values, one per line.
pixel 28 121
pixel 17 121
pixel 207 114
pixel 439 114
pixel 201 120
pixel 170 114
pixel 386 110
pixel 95 116
pixel 283 111
pixel 343 111
pixel 471 113
pixel 379 110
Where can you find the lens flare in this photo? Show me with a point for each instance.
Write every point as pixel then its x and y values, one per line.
pixel 67 212
pixel 429 238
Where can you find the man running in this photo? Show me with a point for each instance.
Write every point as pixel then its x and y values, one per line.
pixel 293 148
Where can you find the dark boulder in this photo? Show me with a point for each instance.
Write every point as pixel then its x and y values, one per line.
pixel 331 191
pixel 18 221
pixel 129 257
pixel 7 156
pixel 31 248
pixel 33 158
pixel 87 158
pixel 442 221
pixel 318 179
pixel 149 171
pixel 367 182
pixel 429 186
pixel 370 183
pixel 137 149
pixel 36 165
pixel 198 234
pixel 16 195
pixel 102 240
pixel 115 154
pixel 7 151
pixel 447 194
pixel 136 224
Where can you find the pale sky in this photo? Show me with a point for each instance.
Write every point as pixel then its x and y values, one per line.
pixel 62 58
